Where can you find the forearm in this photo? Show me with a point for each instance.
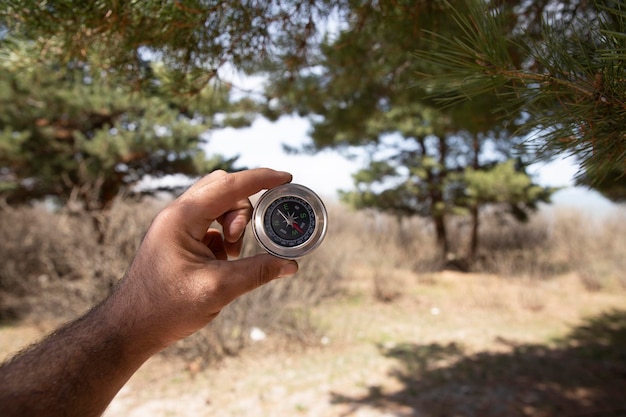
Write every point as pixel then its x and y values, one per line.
pixel 77 370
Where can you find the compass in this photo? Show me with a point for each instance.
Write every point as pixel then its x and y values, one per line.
pixel 289 221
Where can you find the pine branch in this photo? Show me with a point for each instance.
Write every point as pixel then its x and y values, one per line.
pixel 570 81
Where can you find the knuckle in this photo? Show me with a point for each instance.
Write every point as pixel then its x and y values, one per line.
pixel 169 215
pixel 219 173
pixel 227 181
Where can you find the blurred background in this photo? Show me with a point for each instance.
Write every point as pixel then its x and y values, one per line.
pixel 471 156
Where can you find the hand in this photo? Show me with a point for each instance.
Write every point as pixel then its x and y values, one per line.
pixel 181 277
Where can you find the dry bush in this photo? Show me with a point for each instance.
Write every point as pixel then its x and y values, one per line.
pixel 281 309
pixel 373 238
pixel 549 244
pixel 45 259
pixel 565 241
pixel 382 244
pixel 53 264
pixel 55 267
pixel 595 248
pixel 511 248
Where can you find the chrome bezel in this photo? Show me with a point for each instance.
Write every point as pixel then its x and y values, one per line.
pixel 289 190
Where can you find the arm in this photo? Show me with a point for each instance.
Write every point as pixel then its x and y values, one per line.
pixel 179 281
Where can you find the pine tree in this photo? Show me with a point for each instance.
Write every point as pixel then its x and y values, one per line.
pixel 562 68
pixel 83 139
pixel 194 39
pixel 104 72
pixel 361 93
pixel 98 95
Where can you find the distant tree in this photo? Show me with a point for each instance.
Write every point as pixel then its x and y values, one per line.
pixel 564 67
pixel 77 137
pixel 504 184
pixel 97 95
pixel 360 92
pixel 357 84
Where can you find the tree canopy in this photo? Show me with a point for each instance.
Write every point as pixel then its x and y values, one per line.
pixel 561 66
pixel 443 95
pixel 193 38
pixel 360 91
pixel 67 133
pixel 98 95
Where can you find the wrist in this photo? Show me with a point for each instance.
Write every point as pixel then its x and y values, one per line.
pixel 124 314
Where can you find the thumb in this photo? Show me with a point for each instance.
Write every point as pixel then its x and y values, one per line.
pixel 246 274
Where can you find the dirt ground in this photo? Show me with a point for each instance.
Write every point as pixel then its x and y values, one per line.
pixel 448 344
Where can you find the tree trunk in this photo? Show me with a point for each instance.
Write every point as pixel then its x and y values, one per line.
pixel 434 179
pixel 438 200
pixel 442 235
pixel 473 249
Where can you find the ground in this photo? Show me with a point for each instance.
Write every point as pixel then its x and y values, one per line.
pixel 447 344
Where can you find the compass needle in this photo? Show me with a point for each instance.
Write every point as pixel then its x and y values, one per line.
pixel 285 217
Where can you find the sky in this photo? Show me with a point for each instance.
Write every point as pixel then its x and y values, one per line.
pixel 261 145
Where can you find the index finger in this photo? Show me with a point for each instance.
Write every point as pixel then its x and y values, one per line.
pixel 219 193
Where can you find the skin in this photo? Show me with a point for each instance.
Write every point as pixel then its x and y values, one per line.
pixel 179 280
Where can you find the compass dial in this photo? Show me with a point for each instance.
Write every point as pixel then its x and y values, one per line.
pixel 289 221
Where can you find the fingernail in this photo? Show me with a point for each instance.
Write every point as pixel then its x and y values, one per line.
pixel 288 269
pixel 287 174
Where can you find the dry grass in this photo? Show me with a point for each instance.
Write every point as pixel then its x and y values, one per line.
pixel 53 264
pixel 453 342
pixel 54 267
pixel 595 248
pixel 369 326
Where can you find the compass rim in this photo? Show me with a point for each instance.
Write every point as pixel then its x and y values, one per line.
pixel 290 190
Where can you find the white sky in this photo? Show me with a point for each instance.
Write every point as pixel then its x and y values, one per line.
pixel 260 145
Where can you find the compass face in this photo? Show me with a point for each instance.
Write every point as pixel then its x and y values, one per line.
pixel 289 221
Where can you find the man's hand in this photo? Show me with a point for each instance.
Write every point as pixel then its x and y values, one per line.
pixel 181 278
pixel 179 281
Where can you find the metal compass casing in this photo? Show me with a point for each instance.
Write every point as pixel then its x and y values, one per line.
pixel 289 221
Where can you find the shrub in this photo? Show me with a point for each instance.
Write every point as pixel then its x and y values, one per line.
pixel 53 262
pixel 281 309
pixel 55 266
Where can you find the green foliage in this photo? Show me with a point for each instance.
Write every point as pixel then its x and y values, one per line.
pixel 500 184
pixel 194 38
pixel 97 95
pixel 384 187
pixel 357 85
pixel 76 135
pixel 361 93
pixel 612 185
pixel 504 183
pixel 565 75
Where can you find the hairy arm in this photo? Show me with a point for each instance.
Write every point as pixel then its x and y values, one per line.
pixel 179 280
pixel 76 370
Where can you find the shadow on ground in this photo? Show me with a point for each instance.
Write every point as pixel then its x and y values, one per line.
pixel 583 374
